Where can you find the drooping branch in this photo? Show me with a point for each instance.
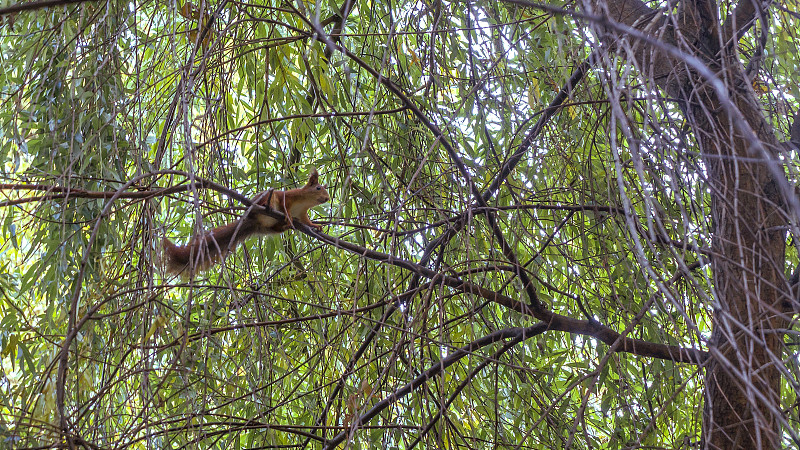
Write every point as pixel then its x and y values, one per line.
pixel 73 324
pixel 438 134
pixel 186 81
pixel 546 114
pixel 698 64
pixel 518 334
pixel 464 383
pixel 72 312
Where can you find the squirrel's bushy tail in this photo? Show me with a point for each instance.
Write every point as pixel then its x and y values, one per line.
pixel 202 252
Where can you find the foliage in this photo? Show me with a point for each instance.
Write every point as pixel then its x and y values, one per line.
pixel 264 351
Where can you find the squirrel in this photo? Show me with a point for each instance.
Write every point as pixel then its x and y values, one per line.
pixel 202 252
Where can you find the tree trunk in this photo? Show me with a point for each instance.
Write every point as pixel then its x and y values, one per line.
pixel 742 397
pixel 742 390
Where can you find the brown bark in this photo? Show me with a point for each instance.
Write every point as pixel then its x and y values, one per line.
pixel 742 407
pixel 742 392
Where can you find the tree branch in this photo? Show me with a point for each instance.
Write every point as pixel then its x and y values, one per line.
pixel 554 321
pixel 30 6
pixel 519 334
pixel 464 383
pixel 390 85
pixel 69 193
pixel 743 17
pixel 547 113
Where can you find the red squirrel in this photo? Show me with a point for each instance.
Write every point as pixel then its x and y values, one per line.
pixel 204 251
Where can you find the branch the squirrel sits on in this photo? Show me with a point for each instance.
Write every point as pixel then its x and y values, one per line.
pixel 202 252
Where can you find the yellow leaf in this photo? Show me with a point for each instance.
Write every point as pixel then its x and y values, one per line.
pixel 414 57
pixel 760 87
pixel 571 112
pixel 157 324
pixel 533 93
pixel 11 346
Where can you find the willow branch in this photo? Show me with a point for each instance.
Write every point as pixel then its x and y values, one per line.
pixel 30 6
pixel 435 370
pixel 556 322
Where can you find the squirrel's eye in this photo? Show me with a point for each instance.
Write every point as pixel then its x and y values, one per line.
pixel 319 187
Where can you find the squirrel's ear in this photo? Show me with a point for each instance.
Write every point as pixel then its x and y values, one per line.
pixel 313 180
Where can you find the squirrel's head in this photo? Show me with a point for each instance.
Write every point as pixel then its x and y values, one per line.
pixel 316 190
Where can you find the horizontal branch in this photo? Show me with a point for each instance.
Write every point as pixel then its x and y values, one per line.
pixel 553 321
pixel 58 192
pixel 206 333
pixel 30 6
pixel 197 183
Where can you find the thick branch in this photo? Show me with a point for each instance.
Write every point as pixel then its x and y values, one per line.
pixel 451 232
pixel 554 321
pixel 743 17
pixel 30 6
